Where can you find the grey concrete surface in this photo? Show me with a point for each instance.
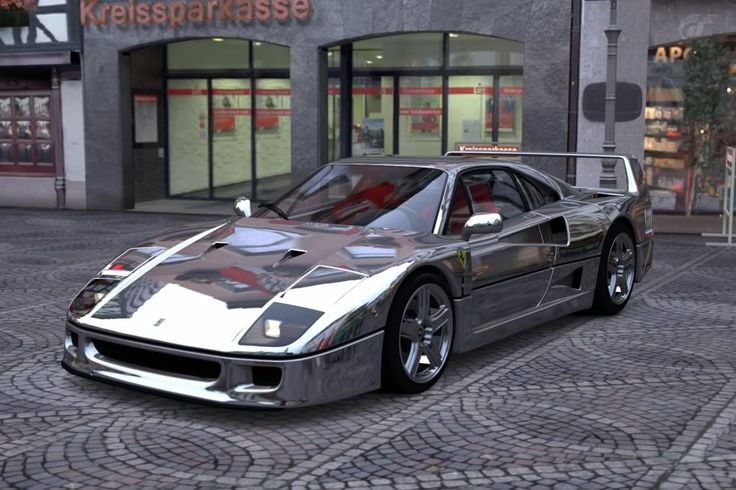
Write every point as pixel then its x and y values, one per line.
pixel 645 399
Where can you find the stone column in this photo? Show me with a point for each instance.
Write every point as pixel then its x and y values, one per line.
pixel 103 129
pixel 307 111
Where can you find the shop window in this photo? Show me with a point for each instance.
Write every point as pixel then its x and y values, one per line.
pixel 420 115
pixel 25 134
pixel 188 138
pixel 373 110
pixel 685 137
pixel 406 50
pixel 510 95
pixel 208 54
pixel 266 55
pixel 472 50
pixel 231 137
pixel 474 81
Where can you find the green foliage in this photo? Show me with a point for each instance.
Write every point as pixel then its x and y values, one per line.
pixel 710 113
pixel 706 80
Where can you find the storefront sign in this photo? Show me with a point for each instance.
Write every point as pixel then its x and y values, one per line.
pixel 177 13
pixel 420 111
pixel 510 147
pixel 670 54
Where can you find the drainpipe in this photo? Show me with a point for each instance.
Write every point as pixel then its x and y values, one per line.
pixel 58 140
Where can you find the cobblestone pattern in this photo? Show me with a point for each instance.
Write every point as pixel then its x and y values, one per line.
pixel 645 399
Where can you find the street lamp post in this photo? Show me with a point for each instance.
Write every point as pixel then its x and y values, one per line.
pixel 608 175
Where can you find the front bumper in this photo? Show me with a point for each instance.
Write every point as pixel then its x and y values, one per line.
pixel 344 371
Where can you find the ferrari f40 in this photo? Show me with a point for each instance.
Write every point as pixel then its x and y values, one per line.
pixel 370 273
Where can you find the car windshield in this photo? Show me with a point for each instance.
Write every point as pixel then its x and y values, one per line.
pixel 384 196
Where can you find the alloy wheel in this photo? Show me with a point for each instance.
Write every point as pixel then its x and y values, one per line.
pixel 620 268
pixel 426 333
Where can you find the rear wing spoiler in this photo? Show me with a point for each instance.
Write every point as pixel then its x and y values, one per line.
pixel 633 174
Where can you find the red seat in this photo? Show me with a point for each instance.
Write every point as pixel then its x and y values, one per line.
pixel 480 193
pixel 460 211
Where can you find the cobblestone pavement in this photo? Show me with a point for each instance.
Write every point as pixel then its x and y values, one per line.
pixel 644 399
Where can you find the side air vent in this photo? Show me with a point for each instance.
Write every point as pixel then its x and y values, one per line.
pixel 572 280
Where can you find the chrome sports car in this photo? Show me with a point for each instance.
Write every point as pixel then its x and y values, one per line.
pixel 369 274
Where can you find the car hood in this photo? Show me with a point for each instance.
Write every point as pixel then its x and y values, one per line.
pixel 213 288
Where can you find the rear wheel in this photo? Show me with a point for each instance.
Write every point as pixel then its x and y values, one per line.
pixel 616 272
pixel 419 335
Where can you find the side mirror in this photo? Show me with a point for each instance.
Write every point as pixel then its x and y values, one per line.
pixel 242 207
pixel 482 224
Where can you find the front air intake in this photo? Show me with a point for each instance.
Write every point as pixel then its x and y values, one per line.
pixel 189 367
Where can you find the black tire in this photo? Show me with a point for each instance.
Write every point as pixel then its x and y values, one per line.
pixel 394 374
pixel 603 302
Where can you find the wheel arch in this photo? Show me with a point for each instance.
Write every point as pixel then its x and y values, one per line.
pixel 452 286
pixel 624 221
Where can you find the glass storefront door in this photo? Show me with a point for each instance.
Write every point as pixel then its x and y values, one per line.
pixel 273 136
pixel 188 138
pixel 225 169
pixel 231 138
pixel 228 136
pixel 420 115
pixel 470 110
pixel 333 119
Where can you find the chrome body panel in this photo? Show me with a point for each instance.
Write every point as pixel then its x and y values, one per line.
pixel 208 287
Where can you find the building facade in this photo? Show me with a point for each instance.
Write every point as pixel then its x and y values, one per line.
pixel 210 99
pixel 42 159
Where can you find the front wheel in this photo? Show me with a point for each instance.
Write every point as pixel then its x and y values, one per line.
pixel 616 272
pixel 419 335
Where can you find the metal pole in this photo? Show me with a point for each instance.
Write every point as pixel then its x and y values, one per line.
pixel 58 139
pixel 608 175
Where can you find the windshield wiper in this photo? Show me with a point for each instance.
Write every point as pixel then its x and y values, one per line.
pixel 275 209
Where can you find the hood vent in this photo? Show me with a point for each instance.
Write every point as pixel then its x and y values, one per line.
pixel 290 254
pixel 217 244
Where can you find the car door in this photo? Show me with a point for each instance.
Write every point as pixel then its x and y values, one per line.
pixel 510 270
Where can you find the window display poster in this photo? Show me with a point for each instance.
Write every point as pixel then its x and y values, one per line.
pixel 229 104
pixel 370 137
pixel 145 116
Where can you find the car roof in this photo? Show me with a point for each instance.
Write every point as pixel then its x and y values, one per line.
pixel 456 164
pixel 448 164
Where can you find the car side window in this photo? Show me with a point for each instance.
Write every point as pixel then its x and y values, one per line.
pixel 487 191
pixel 539 194
pixel 506 195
